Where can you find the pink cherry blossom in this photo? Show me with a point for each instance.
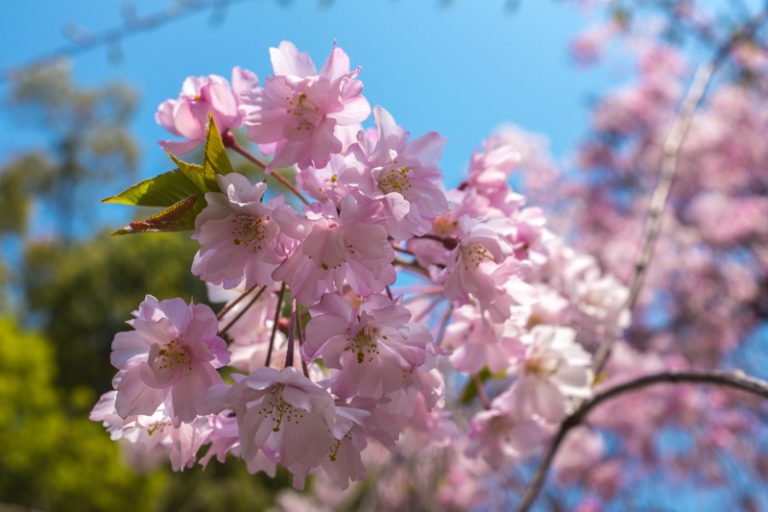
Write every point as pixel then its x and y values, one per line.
pixel 403 175
pixel 481 249
pixel 501 438
pixel 370 343
pixel 336 246
pixel 169 358
pixel 553 369
pixel 155 432
pixel 285 415
pixel 478 342
pixel 301 112
pixel 239 238
pixel 200 97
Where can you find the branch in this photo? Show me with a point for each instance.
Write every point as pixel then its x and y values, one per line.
pixel 229 141
pixel 83 42
pixel 668 167
pixel 735 380
pixel 278 311
pixel 243 311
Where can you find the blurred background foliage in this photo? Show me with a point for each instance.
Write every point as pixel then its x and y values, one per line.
pixel 72 287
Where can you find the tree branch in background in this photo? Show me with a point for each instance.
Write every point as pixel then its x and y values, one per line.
pixel 668 167
pixel 734 380
pixel 83 41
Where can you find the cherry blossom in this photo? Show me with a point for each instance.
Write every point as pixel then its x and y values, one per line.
pixel 200 97
pixel 300 112
pixel 169 358
pixel 239 238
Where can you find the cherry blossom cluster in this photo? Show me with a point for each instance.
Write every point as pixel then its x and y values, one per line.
pixel 354 319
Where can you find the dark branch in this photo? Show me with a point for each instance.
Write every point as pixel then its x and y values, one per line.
pixel 735 380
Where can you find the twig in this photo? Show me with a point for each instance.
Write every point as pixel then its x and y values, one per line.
pixel 668 164
pixel 736 380
pixel 668 167
pixel 412 265
pixel 300 332
pixel 481 392
pixel 230 142
pixel 113 36
pixel 291 335
pixel 241 313
pixel 235 302
pixel 274 325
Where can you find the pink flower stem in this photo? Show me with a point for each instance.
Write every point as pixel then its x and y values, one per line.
pixel 291 335
pixel 230 142
pixel 235 302
pixel 481 392
pixel 443 324
pixel 434 302
pixel 300 332
pixel 274 325
pixel 241 313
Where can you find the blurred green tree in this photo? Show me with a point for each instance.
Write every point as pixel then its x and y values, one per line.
pixel 77 292
pixel 50 459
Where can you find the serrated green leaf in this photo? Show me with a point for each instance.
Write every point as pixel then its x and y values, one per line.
pixel 204 179
pixel 178 217
pixel 163 190
pixel 216 160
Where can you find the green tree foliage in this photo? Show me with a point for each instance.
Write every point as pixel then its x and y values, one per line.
pixel 83 293
pixel 78 292
pixel 88 141
pixel 52 460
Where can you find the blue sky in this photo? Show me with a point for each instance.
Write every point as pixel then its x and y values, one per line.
pixel 460 70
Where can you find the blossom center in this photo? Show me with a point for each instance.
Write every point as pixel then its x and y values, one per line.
pixel 395 180
pixel 278 409
pixel 173 355
pixel 304 112
pixel 364 343
pixel 249 231
pixel 158 427
pixel 541 366
pixel 474 254
pixel 444 225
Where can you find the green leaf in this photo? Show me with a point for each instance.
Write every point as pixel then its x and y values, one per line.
pixel 216 158
pixel 204 179
pixel 163 190
pixel 470 389
pixel 178 217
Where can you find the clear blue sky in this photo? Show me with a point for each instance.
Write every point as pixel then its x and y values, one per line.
pixel 461 70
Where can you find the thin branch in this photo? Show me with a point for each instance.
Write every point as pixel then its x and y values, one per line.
pixel 442 324
pixel 291 335
pixel 241 313
pixel 235 302
pixel 481 392
pixel 403 251
pixel 83 41
pixel 735 380
pixel 230 142
pixel 300 333
pixel 274 325
pixel 668 167
pixel 413 266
